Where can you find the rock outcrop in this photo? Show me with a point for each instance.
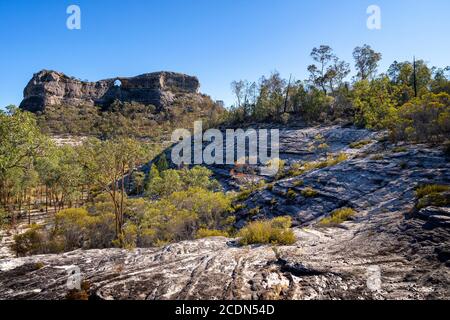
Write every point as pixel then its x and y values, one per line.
pixel 379 256
pixel 49 88
pixel 388 250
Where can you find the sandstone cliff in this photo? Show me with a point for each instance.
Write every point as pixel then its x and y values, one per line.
pixel 50 88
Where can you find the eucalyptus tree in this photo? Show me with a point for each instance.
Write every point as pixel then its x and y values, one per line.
pixel 106 164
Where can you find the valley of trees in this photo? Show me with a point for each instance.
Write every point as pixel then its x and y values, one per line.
pixel 94 194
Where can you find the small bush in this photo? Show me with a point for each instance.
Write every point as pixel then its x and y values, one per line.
pixel 337 217
pixel 434 199
pixel 360 144
pixel 430 189
pixel 243 195
pixel 377 157
pixel 323 146
pixel 399 149
pixel 299 183
pixel 276 231
pixel 432 195
pixel 31 242
pixel 4 218
pixel 423 119
pixel 207 233
pixel 291 194
pixel 331 161
pixel 254 212
pixel 309 193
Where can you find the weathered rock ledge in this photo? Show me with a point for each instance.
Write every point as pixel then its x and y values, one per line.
pixel 49 88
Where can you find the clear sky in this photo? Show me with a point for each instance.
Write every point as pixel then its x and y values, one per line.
pixel 217 40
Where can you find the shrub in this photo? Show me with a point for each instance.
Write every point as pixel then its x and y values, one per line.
pixel 79 229
pixel 163 184
pixel 254 212
pixel 243 195
pixel 377 157
pixel 30 242
pixel 291 194
pixel 360 144
pixel 430 189
pixel 337 217
pixel 374 103
pixel 180 216
pixel 434 199
pixel 130 236
pixel 4 218
pixel 432 195
pixel 323 146
pixel 276 231
pixel 299 183
pixel 309 193
pixel 399 149
pixel 331 161
pixel 423 119
pixel 207 233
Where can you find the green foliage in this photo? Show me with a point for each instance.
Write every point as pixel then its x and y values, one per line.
pixel 298 169
pixel 315 105
pixel 291 194
pixel 181 215
pixel 79 229
pixel 366 61
pixel 434 199
pixel 4 218
pixel 254 212
pixel 167 182
pixel 299 183
pixel 360 144
pixel 430 189
pixel 309 192
pixel 243 195
pixel 161 163
pixel 276 232
pixel 399 149
pixel 423 119
pixel 337 217
pixel 433 195
pixel 130 119
pixel 374 103
pixel 31 241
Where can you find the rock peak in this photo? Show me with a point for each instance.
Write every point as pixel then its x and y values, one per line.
pixel 49 88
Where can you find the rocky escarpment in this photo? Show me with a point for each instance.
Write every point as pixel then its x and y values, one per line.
pixel 381 256
pixel 50 88
pixel 389 250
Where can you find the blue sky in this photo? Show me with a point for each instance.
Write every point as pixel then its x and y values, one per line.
pixel 217 40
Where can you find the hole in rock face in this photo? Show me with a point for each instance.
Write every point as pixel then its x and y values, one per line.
pixel 118 83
